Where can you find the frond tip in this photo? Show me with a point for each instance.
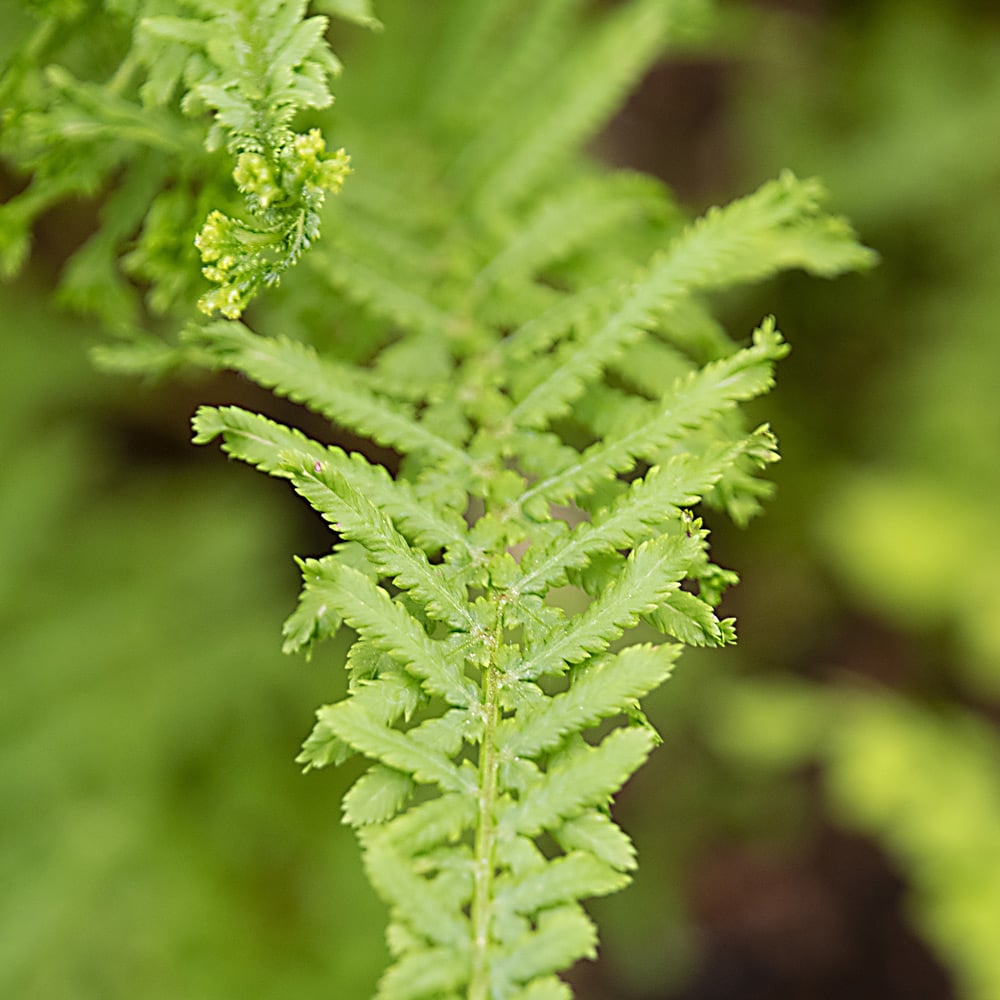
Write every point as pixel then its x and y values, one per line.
pixel 284 193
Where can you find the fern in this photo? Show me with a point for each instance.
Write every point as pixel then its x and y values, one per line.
pixel 482 706
pixel 527 334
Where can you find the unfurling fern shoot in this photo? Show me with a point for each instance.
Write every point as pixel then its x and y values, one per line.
pixel 527 334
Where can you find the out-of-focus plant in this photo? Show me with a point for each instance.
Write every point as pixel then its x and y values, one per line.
pixel 895 102
pixel 152 842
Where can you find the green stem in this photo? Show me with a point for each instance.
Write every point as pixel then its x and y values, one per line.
pixel 486 836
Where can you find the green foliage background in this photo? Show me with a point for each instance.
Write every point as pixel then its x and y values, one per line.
pixel 156 838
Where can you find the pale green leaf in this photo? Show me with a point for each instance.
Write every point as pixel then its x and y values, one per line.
pixel 583 778
pixel 356 727
pixel 376 796
pixel 650 574
pixel 598 689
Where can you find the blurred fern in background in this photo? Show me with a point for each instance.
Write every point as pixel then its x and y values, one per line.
pixel 150 844
pixel 889 590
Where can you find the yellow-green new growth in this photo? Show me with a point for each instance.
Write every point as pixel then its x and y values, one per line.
pixel 156 113
pixel 284 195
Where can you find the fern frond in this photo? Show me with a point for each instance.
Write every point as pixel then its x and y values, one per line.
pixel 430 824
pixel 245 70
pixel 358 11
pixel 313 619
pixel 650 503
pixel 598 689
pixel 691 620
pixel 259 65
pixel 377 796
pixel 424 975
pixel 572 99
pixel 265 444
pixel 585 776
pixel 545 988
pixel 353 514
pixel 523 330
pixel 351 722
pixel 651 573
pixel 562 880
pixel 778 227
pixel 597 833
pixel 369 610
pixel 712 390
pixel 543 29
pixel 563 935
pixel 573 219
pixel 299 373
pixel 417 900
pixel 386 297
pixel 536 335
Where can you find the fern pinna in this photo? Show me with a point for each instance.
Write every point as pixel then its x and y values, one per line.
pixel 525 334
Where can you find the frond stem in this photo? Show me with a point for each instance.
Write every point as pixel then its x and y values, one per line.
pixel 486 835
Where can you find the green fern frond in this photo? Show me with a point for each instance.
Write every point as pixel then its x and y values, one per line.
pixel 336 391
pixel 377 796
pixel 266 445
pixel 748 240
pixel 599 689
pixel 372 613
pixel 587 776
pixel 313 619
pixel 351 722
pixel 714 389
pixel 651 573
pixel 572 99
pixel 573 219
pixel 353 515
pixel 527 333
pixel 552 433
